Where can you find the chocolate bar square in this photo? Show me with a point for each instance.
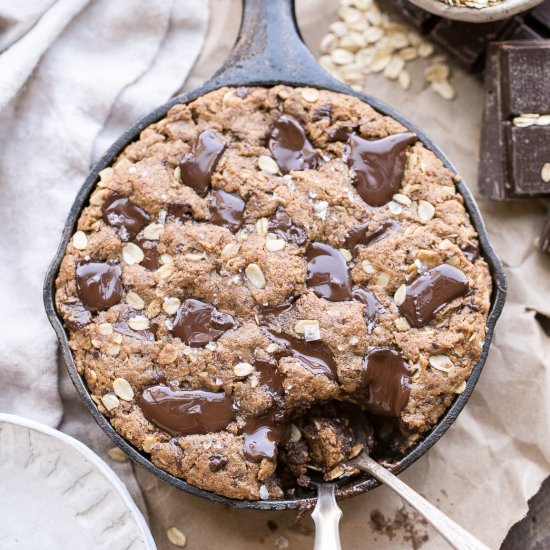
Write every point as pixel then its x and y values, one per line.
pixel 517 81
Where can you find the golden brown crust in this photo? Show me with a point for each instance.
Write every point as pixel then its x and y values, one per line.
pixel 326 204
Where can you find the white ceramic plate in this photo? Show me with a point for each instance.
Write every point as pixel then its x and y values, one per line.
pixel 55 493
pixel 505 9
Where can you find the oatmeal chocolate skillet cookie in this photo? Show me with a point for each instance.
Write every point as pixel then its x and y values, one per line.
pixel 260 265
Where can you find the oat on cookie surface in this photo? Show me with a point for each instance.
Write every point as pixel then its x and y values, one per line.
pixel 261 264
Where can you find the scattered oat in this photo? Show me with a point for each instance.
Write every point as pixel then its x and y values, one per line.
pixel 295 434
pixel 110 401
pixel 402 199
pixel 134 300
pixel 275 245
pixel 461 387
pixel 346 254
pixel 367 266
pixel 139 322
pixel 300 326
pixel 132 254
pixel 117 454
pixel 80 241
pixel 267 164
pixel 440 362
pixel 400 295
pixel 426 211
pixel 264 492
pixel 171 305
pixel 122 389
pixel 176 537
pixel 165 271
pixel 545 173
pixel 255 275
pixel 243 369
pixel 230 251
pixel 153 232
pixel 262 226
pixel 310 94
pixel 105 329
pixel 148 443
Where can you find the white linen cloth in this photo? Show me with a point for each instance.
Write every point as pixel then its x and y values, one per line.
pixel 74 74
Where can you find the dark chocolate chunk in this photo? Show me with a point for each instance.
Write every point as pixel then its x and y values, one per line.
pixel 227 210
pixel 198 166
pixel 512 157
pixel 432 291
pixel 75 315
pixel 327 273
pixel 378 165
pixel 186 412
pixel 261 436
pixel 198 323
pixel 466 42
pixel 471 251
pixel 290 147
pixel 281 224
pixel 99 284
pixel 121 212
pixel 314 356
pixel 341 133
pixel 270 377
pixel 387 378
pixel 181 211
pixel 217 461
pixel 367 298
pixel 151 256
pixel 359 235
pixel 528 150
pixel 268 312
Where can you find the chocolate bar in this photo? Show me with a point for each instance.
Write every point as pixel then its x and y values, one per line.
pixel 467 43
pixel 515 140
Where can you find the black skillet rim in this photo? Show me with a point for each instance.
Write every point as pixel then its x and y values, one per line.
pixel 294 66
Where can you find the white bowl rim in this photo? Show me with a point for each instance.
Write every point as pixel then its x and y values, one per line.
pixel 97 461
pixel 473 15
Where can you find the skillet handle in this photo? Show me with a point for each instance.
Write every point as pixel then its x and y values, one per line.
pixel 326 516
pixel 269 48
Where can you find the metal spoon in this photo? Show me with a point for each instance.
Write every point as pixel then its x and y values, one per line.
pixel 327 514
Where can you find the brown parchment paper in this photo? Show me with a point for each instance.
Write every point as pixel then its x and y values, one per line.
pixel 496 455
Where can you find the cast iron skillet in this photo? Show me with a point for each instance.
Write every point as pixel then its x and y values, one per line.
pixel 269 50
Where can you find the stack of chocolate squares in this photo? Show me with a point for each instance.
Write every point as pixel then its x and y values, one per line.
pixel 515 57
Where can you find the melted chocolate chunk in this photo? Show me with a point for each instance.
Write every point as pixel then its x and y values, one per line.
pixel 121 212
pixel 270 377
pixel 180 210
pixel 274 311
pixel 217 462
pixel 341 133
pixel 151 256
pixel 76 316
pixel 471 251
pixel 327 273
pixel 198 323
pixel 198 166
pixel 387 378
pixel 281 224
pixel 98 284
pixel 378 165
pixel 359 235
pixel 261 436
pixel 290 147
pixel 227 210
pixel 432 291
pixel 186 412
pixel 314 356
pixel 369 300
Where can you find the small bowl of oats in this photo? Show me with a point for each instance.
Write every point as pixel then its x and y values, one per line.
pixel 476 11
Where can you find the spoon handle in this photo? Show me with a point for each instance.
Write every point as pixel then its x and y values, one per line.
pixel 326 516
pixel 455 535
